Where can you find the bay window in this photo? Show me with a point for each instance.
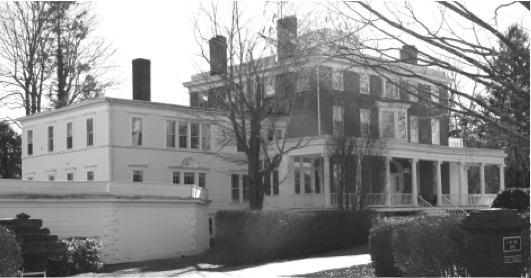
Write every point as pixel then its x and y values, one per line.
pixel 308 172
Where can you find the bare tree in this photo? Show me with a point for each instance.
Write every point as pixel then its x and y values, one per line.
pixel 251 90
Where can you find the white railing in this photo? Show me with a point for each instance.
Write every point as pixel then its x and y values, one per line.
pixel 308 200
pixel 471 200
pixel 452 208
pixel 375 199
pixel 102 188
pixel 425 204
pixel 402 199
pixel 455 142
pixel 334 199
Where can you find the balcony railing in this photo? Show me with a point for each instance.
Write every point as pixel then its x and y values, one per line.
pixel 455 142
pixel 113 188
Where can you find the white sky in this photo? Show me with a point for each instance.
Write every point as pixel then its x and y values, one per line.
pixel 162 31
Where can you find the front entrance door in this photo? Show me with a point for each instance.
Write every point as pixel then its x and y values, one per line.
pixel 396 178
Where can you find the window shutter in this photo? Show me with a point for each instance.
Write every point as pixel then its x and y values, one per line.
pixel 425 131
pixel 194 99
pixel 424 92
pixel 352 82
pixel 376 86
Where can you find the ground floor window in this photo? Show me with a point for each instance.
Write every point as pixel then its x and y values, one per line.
pixel 308 174
pixel 51 177
pixel 70 176
pixel 239 188
pixel 90 175
pixel 138 175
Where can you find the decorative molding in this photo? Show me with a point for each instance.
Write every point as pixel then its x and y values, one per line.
pixel 138 165
pixel 198 169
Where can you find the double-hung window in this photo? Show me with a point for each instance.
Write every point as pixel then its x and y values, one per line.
pixel 435 94
pixel 90 175
pixel 338 120
pixel 411 90
pixel 30 142
pixel 138 175
pixel 205 135
pixel 194 135
pixel 235 187
pixel 170 134
pixel 390 90
pixel 183 135
pixel 365 122
pixel 189 178
pixel 269 86
pixel 337 80
pixel 202 180
pixel 90 132
pixel 69 139
pixel 393 121
pixel 435 132
pixel 176 177
pixel 137 132
pixel 50 139
pixel 365 83
pixel 414 129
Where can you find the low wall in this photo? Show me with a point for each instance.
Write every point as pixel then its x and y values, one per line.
pixel 131 229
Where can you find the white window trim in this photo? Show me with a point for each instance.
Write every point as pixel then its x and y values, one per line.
pixel 179 135
pixel 135 167
pixel 270 81
pixel 342 115
pixel 201 138
pixel 93 131
pixel 394 107
pixel 434 93
pixel 240 187
pixel 180 176
pixel 25 146
pixel 66 135
pixel 142 130
pixel 48 138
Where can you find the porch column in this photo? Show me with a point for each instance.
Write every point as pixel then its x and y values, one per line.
pixel 326 180
pixel 482 182
pixel 439 183
pixel 461 167
pixel 502 177
pixel 414 188
pixel 387 182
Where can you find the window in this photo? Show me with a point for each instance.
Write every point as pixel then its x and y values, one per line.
pixel 307 174
pixel 90 175
pixel 270 134
pixel 70 176
pixel 337 80
pixel 269 86
pixel 30 142
pixel 393 124
pixel 390 90
pixel 170 134
pixel 211 226
pixel 138 175
pixel 202 180
pixel 183 135
pixel 245 192
pixel 137 132
pixel 176 177
pixel 414 129
pixel 338 120
pixel 68 136
pixel 50 139
pixel 51 177
pixel 90 132
pixel 275 182
pixel 189 178
pixel 205 137
pixel 435 94
pixel 279 134
pixel 194 135
pixel 235 188
pixel 411 91
pixel 364 84
pixel 30 178
pixel 365 122
pixel 435 132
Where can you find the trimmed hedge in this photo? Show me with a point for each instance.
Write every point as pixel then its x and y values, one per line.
pixel 82 255
pixel 418 247
pixel 10 255
pixel 512 198
pixel 244 236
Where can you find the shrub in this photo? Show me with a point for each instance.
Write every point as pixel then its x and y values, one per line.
pixel 10 255
pixel 245 236
pixel 418 246
pixel 82 255
pixel 512 198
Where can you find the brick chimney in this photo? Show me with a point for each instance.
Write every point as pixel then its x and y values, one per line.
pixel 409 54
pixel 287 35
pixel 218 55
pixel 142 79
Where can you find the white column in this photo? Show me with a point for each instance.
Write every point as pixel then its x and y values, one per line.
pixel 439 183
pixel 482 182
pixel 461 166
pixel 326 179
pixel 502 177
pixel 387 182
pixel 466 180
pixel 414 188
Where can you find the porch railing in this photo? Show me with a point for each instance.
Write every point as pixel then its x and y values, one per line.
pixel 308 200
pixel 350 197
pixel 471 200
pixel 375 199
pixel 452 208
pixel 455 142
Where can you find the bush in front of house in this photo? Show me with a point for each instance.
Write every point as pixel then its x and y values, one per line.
pixel 244 236
pixel 82 255
pixel 10 255
pixel 512 198
pixel 418 246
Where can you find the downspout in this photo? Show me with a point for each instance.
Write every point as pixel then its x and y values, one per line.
pixel 109 141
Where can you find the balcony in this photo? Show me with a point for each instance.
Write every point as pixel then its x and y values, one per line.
pixel 455 142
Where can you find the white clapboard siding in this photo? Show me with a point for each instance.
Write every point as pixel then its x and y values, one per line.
pixel 131 230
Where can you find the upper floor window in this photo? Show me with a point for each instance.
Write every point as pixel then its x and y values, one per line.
pixel 411 90
pixel 390 90
pixel 337 80
pixel 189 178
pixel 170 134
pixel 137 132
pixel 365 122
pixel 393 124
pixel 69 138
pixel 183 135
pixel 365 83
pixel 51 177
pixel 205 135
pixel 50 139
pixel 194 135
pixel 90 132
pixel 435 132
pixel 303 81
pixel 274 133
pixel 176 177
pixel 435 94
pixel 30 142
pixel 202 180
pixel 414 129
pixel 269 86
pixel 338 120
